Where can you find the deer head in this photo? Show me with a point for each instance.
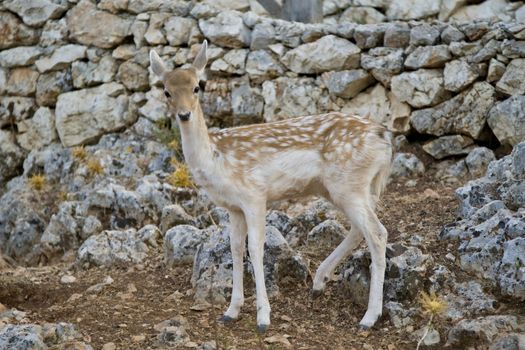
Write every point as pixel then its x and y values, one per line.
pixel 181 86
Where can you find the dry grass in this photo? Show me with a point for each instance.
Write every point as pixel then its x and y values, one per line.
pixel 79 153
pixel 431 304
pixel 181 176
pixel 38 182
pixel 94 167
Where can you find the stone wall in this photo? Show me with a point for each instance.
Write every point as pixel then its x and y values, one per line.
pixel 71 71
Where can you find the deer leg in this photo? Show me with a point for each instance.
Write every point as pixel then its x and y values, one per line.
pixel 255 219
pixel 361 215
pixel 237 243
pixel 328 266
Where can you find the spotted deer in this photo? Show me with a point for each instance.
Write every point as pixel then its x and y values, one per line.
pixel 343 158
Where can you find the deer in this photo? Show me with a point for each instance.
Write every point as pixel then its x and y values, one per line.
pixel 343 158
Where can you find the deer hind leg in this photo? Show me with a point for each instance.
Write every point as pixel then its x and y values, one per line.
pixel 358 204
pixel 237 242
pixel 255 219
pixel 328 266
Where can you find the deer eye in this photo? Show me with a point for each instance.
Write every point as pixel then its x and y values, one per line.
pixel 196 89
pixel 167 94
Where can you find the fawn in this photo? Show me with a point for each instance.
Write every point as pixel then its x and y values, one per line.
pixel 344 158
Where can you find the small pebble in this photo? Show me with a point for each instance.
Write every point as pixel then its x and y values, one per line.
pixel 109 346
pixel 68 279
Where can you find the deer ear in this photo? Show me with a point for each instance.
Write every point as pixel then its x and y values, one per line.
pixel 157 65
pixel 201 59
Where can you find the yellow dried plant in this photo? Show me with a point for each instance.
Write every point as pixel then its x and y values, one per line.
pixel 79 153
pixel 37 182
pixel 432 304
pixel 94 166
pixel 181 176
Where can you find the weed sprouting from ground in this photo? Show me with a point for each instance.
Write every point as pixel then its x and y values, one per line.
pixel 38 182
pixel 181 176
pixel 433 306
pixel 79 153
pixel 94 167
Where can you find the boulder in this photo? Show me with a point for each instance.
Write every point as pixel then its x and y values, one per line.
pixel 263 35
pixel 133 76
pixel 247 105
pixel 490 9
pixel 397 35
pixel 61 58
pixel 445 146
pixel 465 113
pixel 22 82
pixel 383 63
pixel 89 73
pixel 233 62
pixel 325 54
pixel 20 56
pixel 54 33
pixel 90 26
pixel 482 330
pixel 84 115
pixel 513 80
pixel 38 131
pixel 347 83
pixel 35 13
pixel 41 337
pixel 420 88
pixel 174 215
pixel 226 29
pixel 452 34
pixel 424 34
pixel 113 248
pixel 154 34
pixel 496 70
pixel 181 243
pixel 262 66
pixel 328 234
pixel 366 15
pixel 478 160
pixel 458 74
pixel 14 32
pixel 180 30
pixel 411 9
pixel 428 57
pixel 52 84
pixel 507 119
pixel 369 35
pixel 406 165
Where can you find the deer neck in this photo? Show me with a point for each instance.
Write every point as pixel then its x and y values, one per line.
pixel 196 144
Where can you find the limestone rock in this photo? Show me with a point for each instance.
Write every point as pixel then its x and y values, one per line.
pixel 112 248
pixel 11 156
pixel 366 15
pixel 175 7
pixel 496 70
pixel 84 115
pixel 381 106
pixel 448 146
pixel 465 113
pixel 397 35
pixel 181 243
pixel 507 120
pixel 35 12
pixel 478 160
pixel 54 33
pixel 369 35
pixel 87 74
pixel 458 74
pixel 90 26
pixel 38 131
pixel 180 30
pixel 513 49
pixel 329 233
pixel 347 83
pixel 154 34
pixel 482 330
pixel 383 63
pixel 452 34
pixel 14 32
pixel 61 58
pixel 52 84
pixel 406 165
pixel 420 88
pixel 247 105
pixel 263 35
pixel 3 81
pixel 133 76
pixel 325 54
pixel 173 215
pixel 490 9
pixel 261 66
pixel 226 29
pixel 234 62
pixel 20 56
pixel 424 34
pixel 22 82
pixel 428 57
pixel 513 80
pixel 412 9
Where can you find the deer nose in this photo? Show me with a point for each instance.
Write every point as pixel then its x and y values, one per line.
pixel 184 116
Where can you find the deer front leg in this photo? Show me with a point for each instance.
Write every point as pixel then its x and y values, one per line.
pixel 237 244
pixel 255 219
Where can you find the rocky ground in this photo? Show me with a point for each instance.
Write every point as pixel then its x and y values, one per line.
pixel 149 305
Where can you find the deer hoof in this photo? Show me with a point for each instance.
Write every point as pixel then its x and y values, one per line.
pixel 262 328
pixel 316 293
pixel 227 319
